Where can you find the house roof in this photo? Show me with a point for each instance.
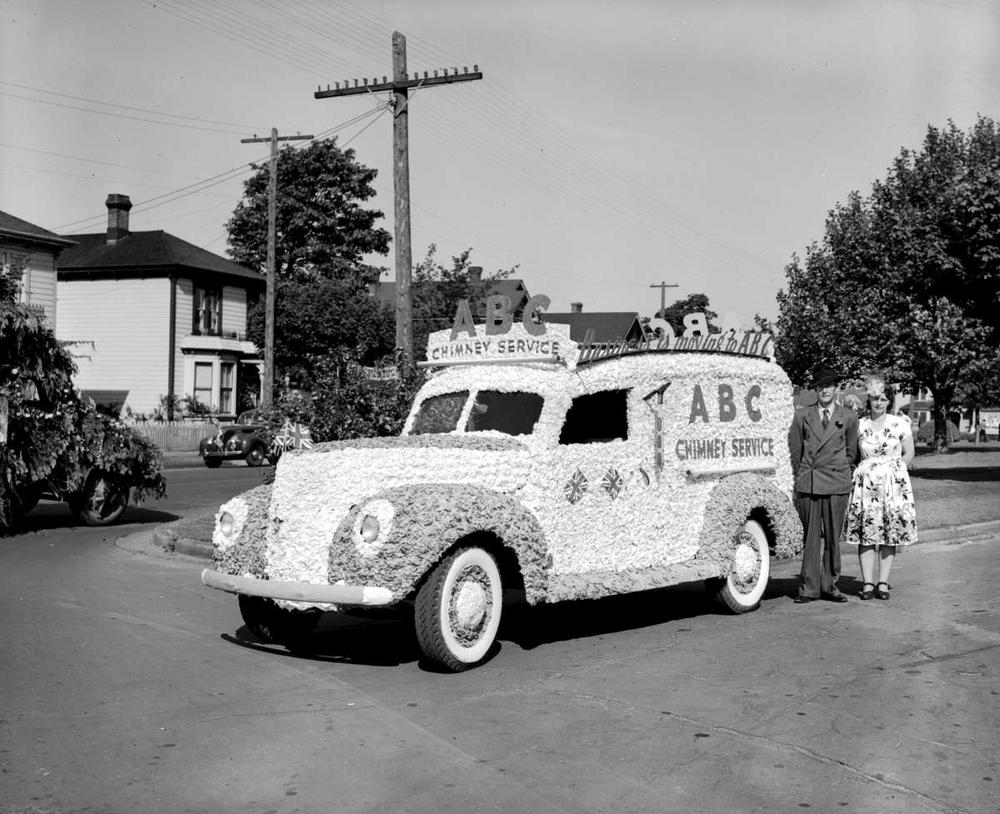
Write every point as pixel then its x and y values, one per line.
pixel 606 325
pixel 513 288
pixel 142 252
pixel 11 226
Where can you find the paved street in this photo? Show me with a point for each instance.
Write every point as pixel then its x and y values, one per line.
pixel 127 686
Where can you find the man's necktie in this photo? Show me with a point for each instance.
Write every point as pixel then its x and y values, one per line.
pixel 826 419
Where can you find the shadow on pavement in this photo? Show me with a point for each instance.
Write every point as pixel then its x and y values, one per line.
pixel 390 641
pixel 50 516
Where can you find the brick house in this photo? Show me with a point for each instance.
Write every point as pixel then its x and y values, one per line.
pixel 156 316
pixel 29 253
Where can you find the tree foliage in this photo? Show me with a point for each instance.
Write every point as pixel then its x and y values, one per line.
pixel 906 280
pixel 437 289
pixel 674 314
pixel 317 318
pixel 322 228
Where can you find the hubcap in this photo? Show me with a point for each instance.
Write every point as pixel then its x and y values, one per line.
pixel 470 605
pixel 746 563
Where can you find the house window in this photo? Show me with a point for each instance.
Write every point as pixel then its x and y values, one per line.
pixel 203 382
pixel 226 387
pixel 207 312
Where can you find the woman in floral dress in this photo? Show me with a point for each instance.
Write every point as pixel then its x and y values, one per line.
pixel 880 514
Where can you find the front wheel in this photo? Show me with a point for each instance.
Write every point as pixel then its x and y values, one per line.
pixel 213 463
pixel 101 502
pixel 457 609
pixel 273 624
pixel 742 589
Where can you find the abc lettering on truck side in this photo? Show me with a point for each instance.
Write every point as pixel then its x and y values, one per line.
pixel 571 469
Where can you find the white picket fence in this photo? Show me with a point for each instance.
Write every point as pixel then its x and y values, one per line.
pixel 179 436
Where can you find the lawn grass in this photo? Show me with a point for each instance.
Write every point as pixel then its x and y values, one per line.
pixel 957 487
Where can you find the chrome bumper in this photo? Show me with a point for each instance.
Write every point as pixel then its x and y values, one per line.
pixel 367 595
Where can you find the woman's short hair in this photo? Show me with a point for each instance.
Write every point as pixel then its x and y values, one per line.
pixel 875 386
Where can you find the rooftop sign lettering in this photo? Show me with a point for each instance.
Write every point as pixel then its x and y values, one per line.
pixel 501 338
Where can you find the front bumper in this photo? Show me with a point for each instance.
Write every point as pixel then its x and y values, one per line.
pixel 366 595
pixel 224 454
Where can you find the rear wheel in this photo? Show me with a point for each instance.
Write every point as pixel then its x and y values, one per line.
pixel 102 501
pixel 255 455
pixel 742 589
pixel 457 609
pixel 273 624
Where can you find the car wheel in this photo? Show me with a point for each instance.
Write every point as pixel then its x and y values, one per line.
pixel 101 502
pixel 273 624
pixel 741 590
pixel 457 609
pixel 256 455
pixel 213 463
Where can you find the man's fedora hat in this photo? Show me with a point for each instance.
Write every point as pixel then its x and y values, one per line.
pixel 824 377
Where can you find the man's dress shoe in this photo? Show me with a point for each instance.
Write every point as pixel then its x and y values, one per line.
pixel 801 600
pixel 837 597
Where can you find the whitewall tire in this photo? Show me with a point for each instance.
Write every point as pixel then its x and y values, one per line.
pixel 457 609
pixel 742 589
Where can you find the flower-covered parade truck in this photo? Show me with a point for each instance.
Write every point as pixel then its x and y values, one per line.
pixel 566 470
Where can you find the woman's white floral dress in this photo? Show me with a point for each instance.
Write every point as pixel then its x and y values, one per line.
pixel 880 510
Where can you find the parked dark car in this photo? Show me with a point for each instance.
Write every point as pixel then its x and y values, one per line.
pixel 246 440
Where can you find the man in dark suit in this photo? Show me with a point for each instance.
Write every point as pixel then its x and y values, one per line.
pixel 823 442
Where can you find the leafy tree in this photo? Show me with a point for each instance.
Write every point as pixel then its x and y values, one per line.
pixel 674 314
pixel 318 317
pixel 906 281
pixel 437 289
pixel 322 229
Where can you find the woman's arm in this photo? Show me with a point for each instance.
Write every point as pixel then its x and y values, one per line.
pixel 908 451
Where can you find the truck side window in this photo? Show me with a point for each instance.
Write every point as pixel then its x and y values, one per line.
pixel 439 413
pixel 512 413
pixel 596 417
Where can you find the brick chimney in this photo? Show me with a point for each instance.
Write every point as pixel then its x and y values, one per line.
pixel 475 274
pixel 118 207
pixel 576 307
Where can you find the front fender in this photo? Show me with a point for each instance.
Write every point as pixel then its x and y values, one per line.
pixel 426 521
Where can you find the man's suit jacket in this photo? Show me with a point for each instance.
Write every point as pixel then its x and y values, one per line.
pixel 822 460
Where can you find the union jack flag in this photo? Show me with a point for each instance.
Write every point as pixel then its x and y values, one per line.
pixel 293 436
pixel 613 482
pixel 575 487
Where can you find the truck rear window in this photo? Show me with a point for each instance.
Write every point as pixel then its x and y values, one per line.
pixel 439 413
pixel 511 413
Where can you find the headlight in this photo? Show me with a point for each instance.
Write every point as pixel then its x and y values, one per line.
pixel 370 528
pixel 227 523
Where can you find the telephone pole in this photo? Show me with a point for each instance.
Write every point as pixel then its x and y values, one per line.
pixel 400 86
pixel 663 286
pixel 267 386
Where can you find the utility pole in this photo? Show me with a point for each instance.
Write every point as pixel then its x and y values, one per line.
pixel 663 286
pixel 400 86
pixel 267 386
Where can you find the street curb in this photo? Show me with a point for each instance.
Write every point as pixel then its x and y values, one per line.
pixel 144 542
pixel 170 537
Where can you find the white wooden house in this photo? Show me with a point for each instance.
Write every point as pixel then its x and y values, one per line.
pixel 154 316
pixel 29 253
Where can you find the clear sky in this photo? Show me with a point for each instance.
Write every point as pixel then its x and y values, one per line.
pixel 610 145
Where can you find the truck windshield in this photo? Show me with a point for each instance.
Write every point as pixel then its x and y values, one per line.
pixel 511 413
pixel 439 413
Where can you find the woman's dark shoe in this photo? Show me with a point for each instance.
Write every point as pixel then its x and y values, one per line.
pixel 881 593
pixel 867 591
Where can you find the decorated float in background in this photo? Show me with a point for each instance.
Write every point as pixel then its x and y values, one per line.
pixel 531 462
